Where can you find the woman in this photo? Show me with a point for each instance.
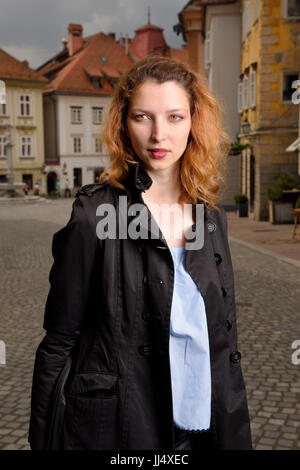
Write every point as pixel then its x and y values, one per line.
pixel 143 303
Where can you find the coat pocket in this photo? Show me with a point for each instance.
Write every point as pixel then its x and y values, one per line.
pixel 94 384
pixel 91 418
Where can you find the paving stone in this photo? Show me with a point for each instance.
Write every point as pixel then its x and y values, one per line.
pixel 285 442
pixel 291 436
pixel 263 447
pixel 8 439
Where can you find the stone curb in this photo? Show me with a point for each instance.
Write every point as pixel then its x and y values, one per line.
pixel 266 252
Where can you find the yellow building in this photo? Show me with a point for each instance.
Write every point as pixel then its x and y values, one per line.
pixel 269 119
pixel 23 110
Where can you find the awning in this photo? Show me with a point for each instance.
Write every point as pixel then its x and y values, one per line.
pixel 294 146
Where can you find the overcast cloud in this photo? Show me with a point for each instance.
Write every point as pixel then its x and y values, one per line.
pixel 33 29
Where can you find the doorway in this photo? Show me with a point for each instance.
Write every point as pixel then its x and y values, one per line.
pixel 77 177
pixel 51 183
pixel 252 182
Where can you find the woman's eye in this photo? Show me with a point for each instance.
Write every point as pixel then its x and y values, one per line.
pixel 175 117
pixel 140 117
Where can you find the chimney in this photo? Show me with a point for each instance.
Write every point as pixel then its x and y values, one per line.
pixel 75 38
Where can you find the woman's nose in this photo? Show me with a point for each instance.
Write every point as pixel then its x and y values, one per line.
pixel 158 131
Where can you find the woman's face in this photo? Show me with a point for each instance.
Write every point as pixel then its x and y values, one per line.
pixel 159 123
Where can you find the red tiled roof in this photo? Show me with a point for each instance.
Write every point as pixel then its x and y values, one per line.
pixel 148 40
pixel 100 56
pixel 12 68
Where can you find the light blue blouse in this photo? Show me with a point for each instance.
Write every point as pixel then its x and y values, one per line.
pixel 189 351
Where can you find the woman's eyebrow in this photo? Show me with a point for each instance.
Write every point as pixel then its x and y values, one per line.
pixel 135 109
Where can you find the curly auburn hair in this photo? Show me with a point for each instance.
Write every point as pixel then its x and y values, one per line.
pixel 208 144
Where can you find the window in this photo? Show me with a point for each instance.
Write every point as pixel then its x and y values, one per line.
pixel 252 89
pixel 2 146
pixel 207 50
pixel 240 97
pixel 76 114
pixel 256 7
pixel 3 109
pixel 26 146
pixel 292 8
pixel 97 144
pixel 77 144
pixel 287 90
pixel 96 82
pixel 246 18
pixel 3 99
pixel 25 105
pixel 246 93
pixel 97 115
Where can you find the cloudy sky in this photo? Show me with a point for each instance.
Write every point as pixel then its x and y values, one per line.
pixel 33 29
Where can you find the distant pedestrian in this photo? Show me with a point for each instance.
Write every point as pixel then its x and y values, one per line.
pixel 26 188
pixel 57 189
pixel 67 189
pixel 36 189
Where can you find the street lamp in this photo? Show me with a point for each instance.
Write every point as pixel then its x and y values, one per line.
pixel 246 127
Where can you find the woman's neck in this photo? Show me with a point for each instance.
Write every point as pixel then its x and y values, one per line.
pixel 165 188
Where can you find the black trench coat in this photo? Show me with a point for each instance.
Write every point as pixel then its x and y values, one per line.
pixel 109 307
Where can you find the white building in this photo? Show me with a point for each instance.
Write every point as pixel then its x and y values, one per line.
pixel 82 77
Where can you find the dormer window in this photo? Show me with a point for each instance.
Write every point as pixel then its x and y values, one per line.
pixel 104 59
pixel 96 81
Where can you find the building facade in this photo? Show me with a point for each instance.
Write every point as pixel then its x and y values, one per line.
pixel 269 119
pixel 23 111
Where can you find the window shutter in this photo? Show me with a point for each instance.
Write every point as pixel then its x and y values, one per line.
pixel 252 89
pixel 240 97
pixel 246 93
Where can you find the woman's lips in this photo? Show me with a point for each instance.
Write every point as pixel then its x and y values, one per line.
pixel 158 153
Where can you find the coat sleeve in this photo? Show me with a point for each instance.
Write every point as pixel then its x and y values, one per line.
pixel 73 250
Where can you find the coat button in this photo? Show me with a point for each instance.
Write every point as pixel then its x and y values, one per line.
pixel 145 280
pixel 228 325
pixel 218 258
pixel 224 292
pixel 235 357
pixel 146 315
pixel 145 349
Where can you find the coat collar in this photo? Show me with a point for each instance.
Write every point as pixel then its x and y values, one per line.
pixel 138 178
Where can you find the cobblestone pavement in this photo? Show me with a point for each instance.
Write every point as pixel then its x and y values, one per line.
pixel 267 296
